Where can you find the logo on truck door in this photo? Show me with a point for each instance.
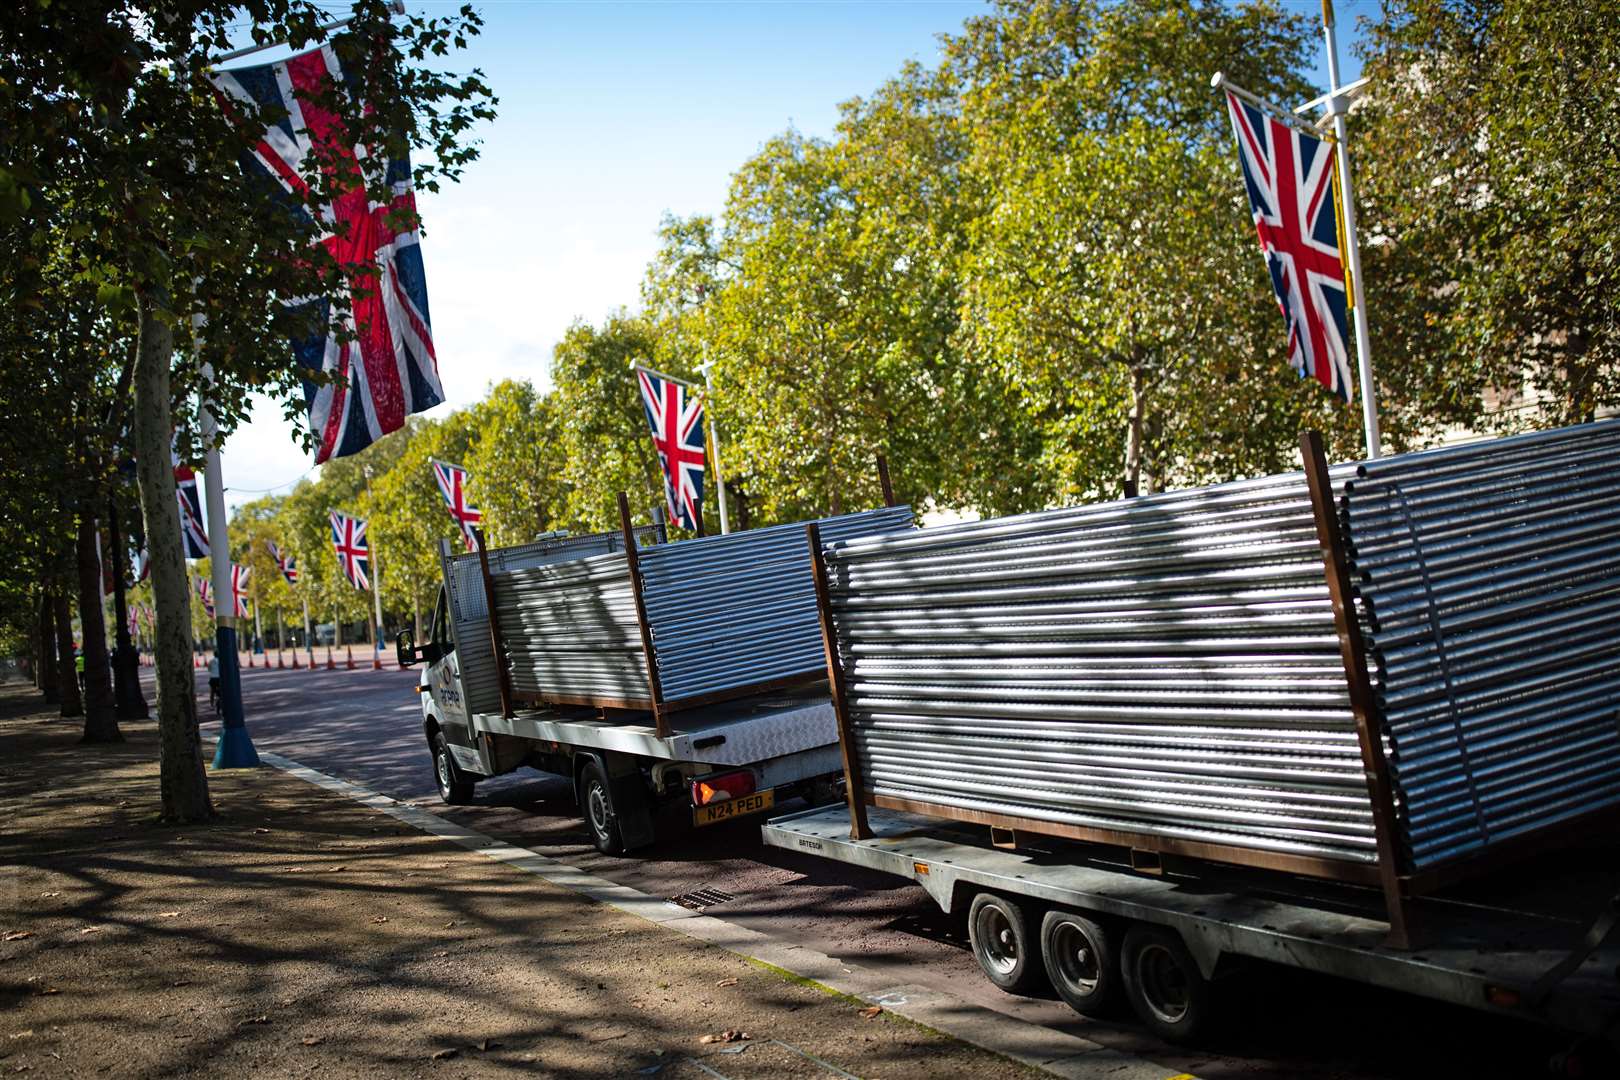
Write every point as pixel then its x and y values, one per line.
pixel 446 689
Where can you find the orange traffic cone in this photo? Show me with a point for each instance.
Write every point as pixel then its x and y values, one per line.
pixel 350 650
pixel 330 666
pixel 295 659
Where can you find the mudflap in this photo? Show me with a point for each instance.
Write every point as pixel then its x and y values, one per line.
pixel 633 810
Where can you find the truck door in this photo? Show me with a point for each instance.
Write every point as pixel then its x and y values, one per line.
pixel 444 687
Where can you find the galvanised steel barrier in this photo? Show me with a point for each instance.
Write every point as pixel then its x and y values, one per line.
pixel 1372 673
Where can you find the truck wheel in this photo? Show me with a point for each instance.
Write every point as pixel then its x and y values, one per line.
pixel 1166 989
pixel 1081 961
pixel 596 799
pixel 454 786
pixel 1003 944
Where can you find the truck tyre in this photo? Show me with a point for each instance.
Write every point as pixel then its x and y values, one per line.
pixel 1166 989
pixel 1003 944
pixel 1082 961
pixel 596 800
pixel 455 787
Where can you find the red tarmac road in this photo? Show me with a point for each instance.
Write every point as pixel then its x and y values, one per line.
pixel 365 726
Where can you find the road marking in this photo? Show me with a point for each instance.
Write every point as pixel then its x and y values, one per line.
pixel 1030 1044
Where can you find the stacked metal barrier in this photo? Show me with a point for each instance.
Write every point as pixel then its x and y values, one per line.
pixel 469 612
pixel 725 614
pixel 1490 575
pixel 742 607
pixel 1166 666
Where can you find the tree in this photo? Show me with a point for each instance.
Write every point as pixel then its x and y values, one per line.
pixel 517 464
pixel 136 165
pixel 1486 151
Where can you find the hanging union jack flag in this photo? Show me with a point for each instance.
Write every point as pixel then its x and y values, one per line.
pixel 676 417
pixel 192 532
pixel 452 480
pixel 239 602
pixel 205 590
pixel 1291 178
pixel 388 369
pixel 353 553
pixel 285 563
pixel 143 566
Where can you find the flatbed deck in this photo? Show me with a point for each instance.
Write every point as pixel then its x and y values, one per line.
pixel 730 733
pixel 1485 949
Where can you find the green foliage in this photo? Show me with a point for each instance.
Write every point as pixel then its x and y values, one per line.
pixel 516 464
pixel 1486 167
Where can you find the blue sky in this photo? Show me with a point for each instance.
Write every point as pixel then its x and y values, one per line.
pixel 612 115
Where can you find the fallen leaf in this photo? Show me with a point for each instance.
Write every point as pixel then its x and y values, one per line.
pixel 261 832
pixel 89 929
pixel 486 1045
pixel 168 914
pixel 726 982
pixel 379 918
pixel 450 925
pixel 440 953
pixel 339 869
pixel 872 1012
pixel 20 1034
pixel 445 1054
pixel 253 1020
pixel 17 935
pixel 48 991
pixel 181 982
pixel 729 1035
pixel 49 895
pixel 608 1036
pixel 313 1040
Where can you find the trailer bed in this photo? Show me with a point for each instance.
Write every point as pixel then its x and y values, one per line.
pixel 1484 949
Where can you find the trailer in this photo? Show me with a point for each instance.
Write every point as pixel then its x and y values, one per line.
pixel 1344 719
pixel 649 674
pixel 1100 926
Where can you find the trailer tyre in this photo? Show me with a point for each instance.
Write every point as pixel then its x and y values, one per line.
pixel 596 800
pixel 455 787
pixel 1166 989
pixel 1007 950
pixel 1082 961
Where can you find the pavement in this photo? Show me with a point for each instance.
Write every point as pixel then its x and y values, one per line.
pixel 302 933
pixel 363 727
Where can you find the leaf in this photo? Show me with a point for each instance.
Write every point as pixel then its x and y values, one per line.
pixel 487 1045
pixel 16 935
pixel 445 1054
pixel 168 914
pixel 871 1012
pixel 730 1035
pixel 379 918
pixel 253 1020
pixel 726 982
pixel 312 1040
pixel 90 929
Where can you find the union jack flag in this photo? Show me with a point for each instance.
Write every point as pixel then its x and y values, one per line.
pixel 192 532
pixel 1291 177
pixel 239 602
pixel 388 369
pixel 143 566
pixel 285 563
pixel 452 480
pixel 205 590
pixel 676 419
pixel 353 553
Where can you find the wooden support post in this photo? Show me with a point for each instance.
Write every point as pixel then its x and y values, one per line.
pixel 854 783
pixel 497 643
pixel 1353 651
pixel 633 559
pixel 883 480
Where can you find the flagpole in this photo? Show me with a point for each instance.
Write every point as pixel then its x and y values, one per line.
pixel 376 599
pixel 234 749
pixel 714 438
pixel 309 639
pixel 1337 105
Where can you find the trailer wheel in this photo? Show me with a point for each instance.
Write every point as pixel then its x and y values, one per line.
pixel 1007 952
pixel 1081 960
pixel 455 788
pixel 1166 989
pixel 596 799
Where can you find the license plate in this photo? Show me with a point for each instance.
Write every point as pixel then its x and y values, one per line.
pixel 731 808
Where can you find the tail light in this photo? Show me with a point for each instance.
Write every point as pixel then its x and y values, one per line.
pixel 718 787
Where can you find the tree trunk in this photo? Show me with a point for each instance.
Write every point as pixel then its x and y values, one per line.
pixel 46 676
pixel 67 675
pixel 1133 433
pixel 126 660
pixel 184 784
pixel 100 720
pixel 416 614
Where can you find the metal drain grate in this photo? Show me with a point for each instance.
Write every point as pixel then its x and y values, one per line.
pixel 698 899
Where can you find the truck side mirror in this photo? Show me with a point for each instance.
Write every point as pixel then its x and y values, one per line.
pixel 405 649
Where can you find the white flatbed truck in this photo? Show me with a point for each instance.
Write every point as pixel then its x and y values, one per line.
pixel 725 760
pixel 1537 943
